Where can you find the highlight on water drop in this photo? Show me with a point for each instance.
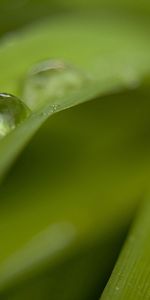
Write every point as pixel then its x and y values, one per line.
pixel 12 112
pixel 50 81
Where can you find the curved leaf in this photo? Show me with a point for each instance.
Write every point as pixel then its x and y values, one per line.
pixel 88 152
pixel 111 67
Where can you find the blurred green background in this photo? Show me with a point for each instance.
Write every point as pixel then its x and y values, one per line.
pixel 17 13
pixel 67 202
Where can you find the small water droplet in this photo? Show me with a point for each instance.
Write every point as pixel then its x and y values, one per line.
pixel 49 81
pixel 12 112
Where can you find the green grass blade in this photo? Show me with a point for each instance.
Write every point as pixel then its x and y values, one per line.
pixel 71 153
pixel 12 144
pixel 73 275
pixel 130 278
pixel 120 69
pixel 100 137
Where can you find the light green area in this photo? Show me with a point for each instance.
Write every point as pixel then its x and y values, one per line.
pixel 50 81
pixel 74 189
pixel 116 58
pixel 130 278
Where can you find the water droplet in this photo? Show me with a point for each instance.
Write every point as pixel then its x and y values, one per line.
pixel 12 112
pixel 50 81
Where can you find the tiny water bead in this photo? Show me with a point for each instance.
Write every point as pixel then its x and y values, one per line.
pixel 50 81
pixel 12 112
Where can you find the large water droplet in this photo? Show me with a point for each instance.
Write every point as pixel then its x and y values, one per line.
pixel 50 81
pixel 12 112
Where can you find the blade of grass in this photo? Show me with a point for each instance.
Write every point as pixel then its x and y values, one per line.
pixel 12 144
pixel 110 71
pixel 75 277
pixel 33 216
pixel 130 278
pixel 83 173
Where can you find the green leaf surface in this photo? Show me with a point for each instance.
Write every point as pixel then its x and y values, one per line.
pixel 111 67
pixel 87 167
pixel 130 278
pixel 83 163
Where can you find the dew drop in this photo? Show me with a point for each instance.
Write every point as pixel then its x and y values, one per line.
pixel 12 112
pixel 51 80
